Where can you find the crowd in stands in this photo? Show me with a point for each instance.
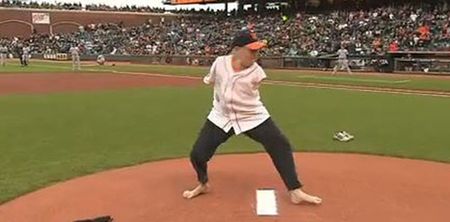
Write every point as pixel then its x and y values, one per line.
pixel 100 7
pixel 37 5
pixel 363 32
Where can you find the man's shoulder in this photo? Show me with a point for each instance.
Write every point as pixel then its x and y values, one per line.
pixel 220 60
pixel 258 70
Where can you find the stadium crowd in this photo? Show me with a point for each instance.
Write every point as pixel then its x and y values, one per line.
pixel 363 32
pixel 37 5
pixel 99 7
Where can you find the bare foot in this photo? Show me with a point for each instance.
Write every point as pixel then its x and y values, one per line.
pixel 298 196
pixel 200 189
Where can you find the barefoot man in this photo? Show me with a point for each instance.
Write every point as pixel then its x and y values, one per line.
pixel 237 109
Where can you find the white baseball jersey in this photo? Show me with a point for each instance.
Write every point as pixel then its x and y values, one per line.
pixel 3 49
pixel 26 50
pixel 74 50
pixel 236 102
pixel 342 53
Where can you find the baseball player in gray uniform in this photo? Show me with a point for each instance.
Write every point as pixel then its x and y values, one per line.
pixel 3 55
pixel 237 109
pixel 26 55
pixel 75 52
pixel 342 60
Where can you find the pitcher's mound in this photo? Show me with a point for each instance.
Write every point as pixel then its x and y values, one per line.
pixel 355 188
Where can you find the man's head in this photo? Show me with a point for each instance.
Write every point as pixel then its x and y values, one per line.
pixel 246 46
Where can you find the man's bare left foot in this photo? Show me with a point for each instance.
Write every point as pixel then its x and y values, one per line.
pixel 298 196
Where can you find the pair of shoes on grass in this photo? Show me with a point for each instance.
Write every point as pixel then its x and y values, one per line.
pixel 343 136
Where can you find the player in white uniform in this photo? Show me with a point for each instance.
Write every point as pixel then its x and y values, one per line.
pixel 3 55
pixel 237 109
pixel 342 60
pixel 75 52
pixel 26 55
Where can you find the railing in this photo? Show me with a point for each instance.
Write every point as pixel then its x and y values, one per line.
pixel 436 62
pixel 440 66
pixel 359 62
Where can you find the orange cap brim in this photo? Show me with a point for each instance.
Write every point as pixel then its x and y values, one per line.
pixel 256 45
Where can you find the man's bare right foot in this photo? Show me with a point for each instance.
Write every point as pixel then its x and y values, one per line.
pixel 200 189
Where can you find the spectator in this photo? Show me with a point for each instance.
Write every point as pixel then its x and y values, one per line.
pixel 297 34
pixel 394 47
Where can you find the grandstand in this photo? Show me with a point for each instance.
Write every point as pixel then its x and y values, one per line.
pixel 300 33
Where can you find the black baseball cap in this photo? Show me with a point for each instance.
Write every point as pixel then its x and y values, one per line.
pixel 247 38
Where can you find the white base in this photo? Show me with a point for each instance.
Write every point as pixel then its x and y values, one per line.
pixel 266 202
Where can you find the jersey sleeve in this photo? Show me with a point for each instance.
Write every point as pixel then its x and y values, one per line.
pixel 210 77
pixel 261 75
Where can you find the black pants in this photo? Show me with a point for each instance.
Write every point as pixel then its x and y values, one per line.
pixel 267 133
pixel 21 59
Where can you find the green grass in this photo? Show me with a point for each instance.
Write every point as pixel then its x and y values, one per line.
pixel 50 138
pixel 390 81
pixel 41 67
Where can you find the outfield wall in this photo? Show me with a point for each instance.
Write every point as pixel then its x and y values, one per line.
pixel 410 62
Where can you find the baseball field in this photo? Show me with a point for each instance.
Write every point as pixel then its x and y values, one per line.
pixel 56 124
